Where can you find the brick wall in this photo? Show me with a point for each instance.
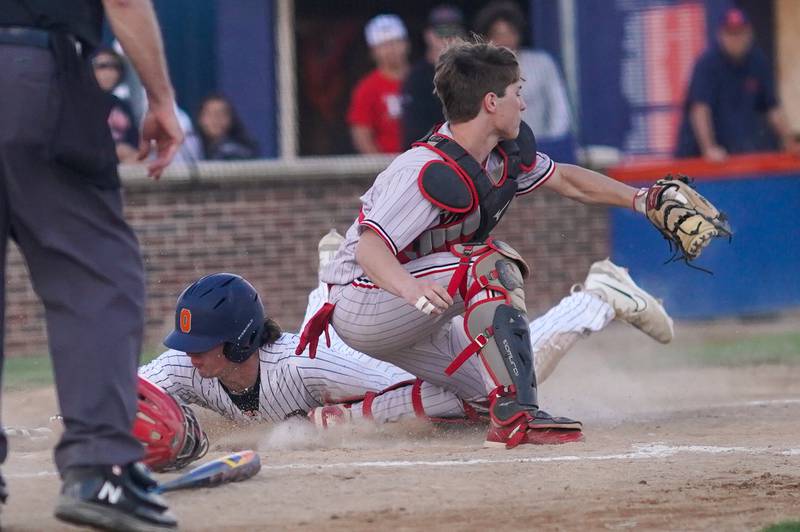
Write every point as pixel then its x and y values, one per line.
pixel 267 230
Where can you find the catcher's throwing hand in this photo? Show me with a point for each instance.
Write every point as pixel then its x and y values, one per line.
pixel 683 216
pixel 428 297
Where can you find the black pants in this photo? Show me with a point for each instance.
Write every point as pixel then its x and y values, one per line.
pixel 85 266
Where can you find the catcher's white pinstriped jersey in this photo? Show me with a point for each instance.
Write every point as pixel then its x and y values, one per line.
pixel 395 208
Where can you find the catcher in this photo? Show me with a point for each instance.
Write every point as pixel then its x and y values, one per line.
pixel 420 252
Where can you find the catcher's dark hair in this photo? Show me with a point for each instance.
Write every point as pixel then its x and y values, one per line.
pixel 272 331
pixel 467 71
pixel 506 11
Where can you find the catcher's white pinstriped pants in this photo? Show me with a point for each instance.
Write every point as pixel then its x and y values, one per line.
pixel 376 322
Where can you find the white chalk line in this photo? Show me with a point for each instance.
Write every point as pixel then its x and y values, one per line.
pixel 763 402
pixel 641 451
pixel 36 474
pixel 43 433
pixel 645 451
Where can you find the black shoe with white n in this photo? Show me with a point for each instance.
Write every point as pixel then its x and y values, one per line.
pixel 113 498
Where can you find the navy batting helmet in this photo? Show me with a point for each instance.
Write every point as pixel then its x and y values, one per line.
pixel 221 308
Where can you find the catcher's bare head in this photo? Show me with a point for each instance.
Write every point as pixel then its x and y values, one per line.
pixel 475 77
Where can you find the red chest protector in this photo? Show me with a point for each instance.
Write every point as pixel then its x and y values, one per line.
pixel 475 200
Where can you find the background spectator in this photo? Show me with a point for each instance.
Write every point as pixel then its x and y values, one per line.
pixel 108 70
pixel 191 150
pixel 128 91
pixel 421 107
pixel 732 106
pixel 545 95
pixel 374 115
pixel 221 132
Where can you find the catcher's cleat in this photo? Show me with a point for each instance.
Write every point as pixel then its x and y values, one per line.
pixel 630 302
pixel 113 498
pixel 501 436
pixel 513 424
pixel 325 416
pixel 542 430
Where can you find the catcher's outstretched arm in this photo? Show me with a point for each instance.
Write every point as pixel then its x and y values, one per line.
pixel 683 216
pixel 587 186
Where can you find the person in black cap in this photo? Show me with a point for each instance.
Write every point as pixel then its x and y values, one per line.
pixel 60 202
pixel 421 108
pixel 732 105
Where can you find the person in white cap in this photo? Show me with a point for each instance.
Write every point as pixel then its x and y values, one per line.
pixel 375 106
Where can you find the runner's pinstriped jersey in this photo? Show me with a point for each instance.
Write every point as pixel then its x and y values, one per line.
pixel 288 384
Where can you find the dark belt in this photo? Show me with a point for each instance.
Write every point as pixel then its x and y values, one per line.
pixel 24 36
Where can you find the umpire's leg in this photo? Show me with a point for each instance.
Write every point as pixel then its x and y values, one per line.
pixel 86 267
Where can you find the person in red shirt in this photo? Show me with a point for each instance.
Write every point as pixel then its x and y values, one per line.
pixel 375 106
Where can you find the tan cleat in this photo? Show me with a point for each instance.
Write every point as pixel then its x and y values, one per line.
pixel 631 303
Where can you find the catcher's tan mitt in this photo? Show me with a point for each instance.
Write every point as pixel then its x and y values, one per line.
pixel 685 218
